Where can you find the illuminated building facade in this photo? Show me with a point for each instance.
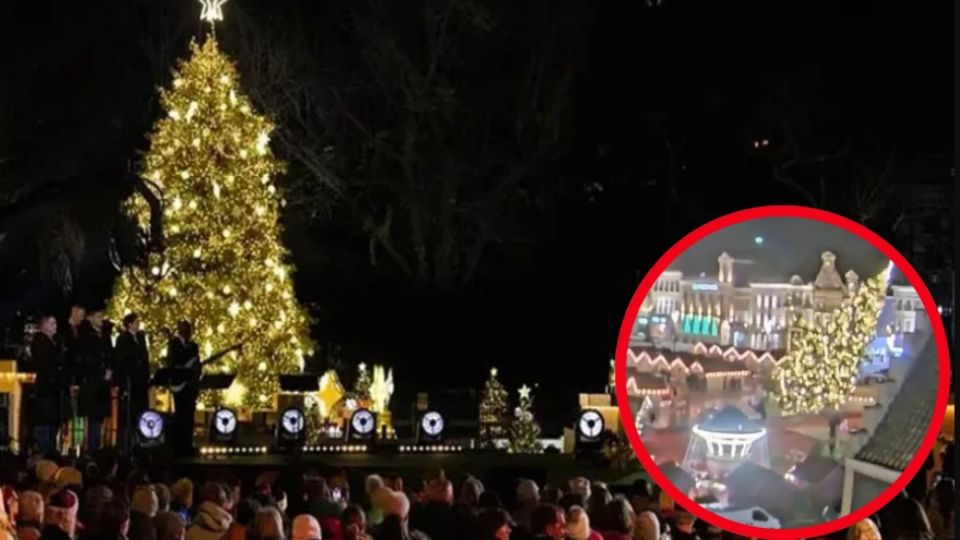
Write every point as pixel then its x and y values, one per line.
pixel 732 309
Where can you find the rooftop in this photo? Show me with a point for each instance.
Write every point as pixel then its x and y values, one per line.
pixel 897 438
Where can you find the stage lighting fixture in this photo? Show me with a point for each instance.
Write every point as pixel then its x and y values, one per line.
pixel 223 426
pixel 151 428
pixel 431 427
pixel 589 432
pixel 291 430
pixel 363 425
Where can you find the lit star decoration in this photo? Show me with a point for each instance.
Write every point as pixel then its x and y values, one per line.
pixel 820 371
pixel 223 266
pixel 524 392
pixel 493 372
pixel 212 10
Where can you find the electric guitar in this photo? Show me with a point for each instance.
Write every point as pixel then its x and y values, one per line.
pixel 195 360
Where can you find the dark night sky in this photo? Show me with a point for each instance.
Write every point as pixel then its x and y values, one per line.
pixel 552 319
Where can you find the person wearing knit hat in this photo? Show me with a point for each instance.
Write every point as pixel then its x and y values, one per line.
pixel 305 527
pixel 30 516
pixel 683 521
pixel 46 471
pixel 578 525
pixel 68 477
pixel 60 516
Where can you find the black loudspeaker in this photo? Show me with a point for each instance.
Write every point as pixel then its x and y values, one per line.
pixel 430 428
pixel 589 432
pixel 363 426
pixel 224 426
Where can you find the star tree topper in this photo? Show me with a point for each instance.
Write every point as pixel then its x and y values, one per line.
pixel 524 392
pixel 212 11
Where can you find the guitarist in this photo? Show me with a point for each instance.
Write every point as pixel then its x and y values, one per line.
pixel 183 354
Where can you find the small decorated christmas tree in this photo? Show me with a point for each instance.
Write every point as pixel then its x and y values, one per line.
pixel 525 429
pixel 361 388
pixel 493 411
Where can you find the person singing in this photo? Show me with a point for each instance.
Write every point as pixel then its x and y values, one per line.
pixel 47 354
pixel 132 363
pixel 96 376
pixel 183 354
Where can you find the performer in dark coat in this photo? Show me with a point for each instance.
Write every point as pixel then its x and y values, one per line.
pixel 132 374
pixel 47 356
pixel 96 375
pixel 184 354
pixel 71 372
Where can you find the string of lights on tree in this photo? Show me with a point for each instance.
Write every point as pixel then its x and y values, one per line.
pixel 494 411
pixel 820 369
pixel 524 431
pixel 224 266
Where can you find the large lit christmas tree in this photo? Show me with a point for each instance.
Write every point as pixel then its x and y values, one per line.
pixel 525 430
pixel 820 371
pixel 223 267
pixel 494 410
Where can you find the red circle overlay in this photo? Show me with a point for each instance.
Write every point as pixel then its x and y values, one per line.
pixel 840 222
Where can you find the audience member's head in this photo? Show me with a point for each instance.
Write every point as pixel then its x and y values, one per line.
pixel 305 527
pixel 145 501
pixel 943 498
pixel 471 491
pixel 619 516
pixel 597 503
pixel 528 493
pixel 170 526
pixel 181 493
pixel 315 488
pixel 269 524
pixel 642 495
pixel 213 492
pixel 580 486
pixel 578 523
pixel 548 520
pixel 393 481
pixel 440 490
pixel 373 483
pixel 493 524
pixel 354 522
pixel 163 497
pixel 865 529
pixel 46 471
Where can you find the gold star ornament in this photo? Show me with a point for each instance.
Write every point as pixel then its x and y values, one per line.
pixel 212 10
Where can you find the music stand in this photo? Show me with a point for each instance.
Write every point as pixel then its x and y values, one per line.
pixel 305 382
pixel 217 381
pixel 168 376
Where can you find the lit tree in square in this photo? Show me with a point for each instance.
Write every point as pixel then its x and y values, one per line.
pixel 820 371
pixel 525 430
pixel 494 409
pixel 223 266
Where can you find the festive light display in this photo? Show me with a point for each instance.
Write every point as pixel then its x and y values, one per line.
pixel 223 266
pixel 493 411
pixel 820 371
pixel 525 430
